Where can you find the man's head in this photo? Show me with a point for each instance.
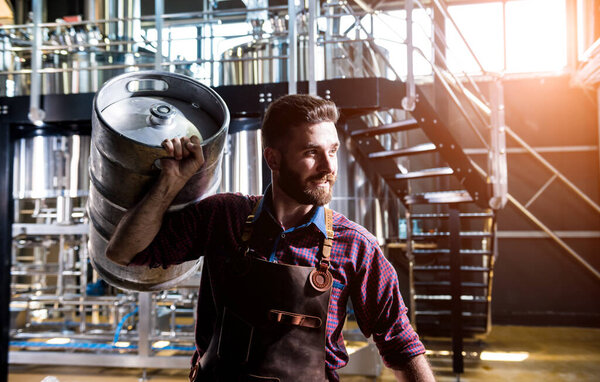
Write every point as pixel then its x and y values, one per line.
pixel 300 145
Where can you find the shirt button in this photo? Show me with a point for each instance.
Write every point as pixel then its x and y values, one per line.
pixel 282 235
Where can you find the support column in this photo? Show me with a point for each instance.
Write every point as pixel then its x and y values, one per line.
pixel 5 244
pixel 455 287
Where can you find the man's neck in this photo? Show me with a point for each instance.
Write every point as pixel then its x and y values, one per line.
pixel 288 212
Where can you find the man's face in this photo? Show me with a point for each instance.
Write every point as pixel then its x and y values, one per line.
pixel 309 163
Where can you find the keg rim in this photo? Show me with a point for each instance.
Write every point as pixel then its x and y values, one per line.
pixel 157 74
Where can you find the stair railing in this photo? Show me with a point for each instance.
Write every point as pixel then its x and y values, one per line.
pixel 449 81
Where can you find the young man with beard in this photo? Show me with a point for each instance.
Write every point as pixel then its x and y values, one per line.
pixel 279 269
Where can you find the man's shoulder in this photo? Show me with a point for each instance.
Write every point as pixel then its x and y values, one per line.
pixel 346 228
pixel 229 201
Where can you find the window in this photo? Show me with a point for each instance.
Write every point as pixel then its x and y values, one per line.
pixel 534 34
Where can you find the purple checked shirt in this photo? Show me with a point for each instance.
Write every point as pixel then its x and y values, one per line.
pixel 214 226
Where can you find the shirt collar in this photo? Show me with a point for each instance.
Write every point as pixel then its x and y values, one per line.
pixel 266 206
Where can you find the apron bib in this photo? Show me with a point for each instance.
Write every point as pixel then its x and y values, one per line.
pixel 271 318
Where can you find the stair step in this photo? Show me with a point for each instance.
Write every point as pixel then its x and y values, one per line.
pixel 437 330
pixel 444 251
pixel 447 297
pixel 439 197
pixel 448 313
pixel 393 127
pixel 446 216
pixel 463 234
pixel 418 149
pixel 445 268
pixel 447 284
pixel 425 173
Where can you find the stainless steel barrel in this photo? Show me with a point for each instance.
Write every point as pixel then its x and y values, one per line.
pixel 132 114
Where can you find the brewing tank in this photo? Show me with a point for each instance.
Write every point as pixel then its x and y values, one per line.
pixel 50 163
pixel 132 114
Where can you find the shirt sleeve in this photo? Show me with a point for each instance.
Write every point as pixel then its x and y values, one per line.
pixel 182 235
pixel 381 312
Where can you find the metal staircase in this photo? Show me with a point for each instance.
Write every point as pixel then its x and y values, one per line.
pixel 440 238
pixel 450 235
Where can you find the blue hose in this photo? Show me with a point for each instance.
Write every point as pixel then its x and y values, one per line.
pixel 120 325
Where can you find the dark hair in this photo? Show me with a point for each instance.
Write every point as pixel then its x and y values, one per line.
pixel 295 110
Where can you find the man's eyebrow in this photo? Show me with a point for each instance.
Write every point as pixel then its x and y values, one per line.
pixel 316 146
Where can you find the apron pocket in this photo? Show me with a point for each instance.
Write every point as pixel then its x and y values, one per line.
pixel 234 338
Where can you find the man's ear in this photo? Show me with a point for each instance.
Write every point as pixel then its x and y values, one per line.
pixel 273 158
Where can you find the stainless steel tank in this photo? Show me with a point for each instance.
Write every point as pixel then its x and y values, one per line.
pixel 242 159
pixel 264 60
pixel 77 65
pixel 50 163
pixel 132 114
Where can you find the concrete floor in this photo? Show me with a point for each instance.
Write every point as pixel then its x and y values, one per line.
pixel 554 354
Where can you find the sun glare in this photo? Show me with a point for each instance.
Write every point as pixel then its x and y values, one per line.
pixel 535 36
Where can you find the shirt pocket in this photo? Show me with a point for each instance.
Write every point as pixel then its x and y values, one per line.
pixel 338 300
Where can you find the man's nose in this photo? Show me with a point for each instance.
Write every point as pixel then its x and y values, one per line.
pixel 328 164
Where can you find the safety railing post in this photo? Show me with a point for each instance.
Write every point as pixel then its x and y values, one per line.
pixel 497 154
pixel 292 64
pixel 159 6
pixel 312 33
pixel 409 101
pixel 36 114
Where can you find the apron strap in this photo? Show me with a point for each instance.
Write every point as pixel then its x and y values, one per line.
pixel 327 242
pixel 320 278
pixel 247 233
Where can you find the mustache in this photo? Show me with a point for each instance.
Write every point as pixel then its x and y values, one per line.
pixel 322 178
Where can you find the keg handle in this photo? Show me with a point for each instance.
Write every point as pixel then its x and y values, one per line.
pixel 147 85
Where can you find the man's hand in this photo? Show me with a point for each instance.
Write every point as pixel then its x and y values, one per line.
pixel 139 225
pixel 186 158
pixel 415 370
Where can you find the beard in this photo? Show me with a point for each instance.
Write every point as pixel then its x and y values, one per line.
pixel 302 191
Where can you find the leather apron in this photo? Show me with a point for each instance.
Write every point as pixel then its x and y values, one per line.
pixel 271 318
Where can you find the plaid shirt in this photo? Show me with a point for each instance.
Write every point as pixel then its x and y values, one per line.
pixel 360 271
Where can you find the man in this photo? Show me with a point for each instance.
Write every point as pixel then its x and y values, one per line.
pixel 278 269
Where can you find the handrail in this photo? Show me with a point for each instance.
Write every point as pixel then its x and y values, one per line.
pixel 442 36
pixel 183 16
pixel 476 104
pixel 456 101
pixel 553 169
pixel 546 229
pixel 447 16
pixel 370 35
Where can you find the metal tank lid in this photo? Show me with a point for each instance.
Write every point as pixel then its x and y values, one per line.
pixel 151 119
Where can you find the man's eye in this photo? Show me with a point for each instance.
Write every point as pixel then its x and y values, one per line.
pixel 311 152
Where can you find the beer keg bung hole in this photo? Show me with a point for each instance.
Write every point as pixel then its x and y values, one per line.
pixel 163 109
pixel 161 114
pixel 146 85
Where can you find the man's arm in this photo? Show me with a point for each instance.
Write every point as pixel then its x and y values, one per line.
pixel 139 225
pixel 417 369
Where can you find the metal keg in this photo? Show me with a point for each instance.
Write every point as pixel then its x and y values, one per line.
pixel 132 114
